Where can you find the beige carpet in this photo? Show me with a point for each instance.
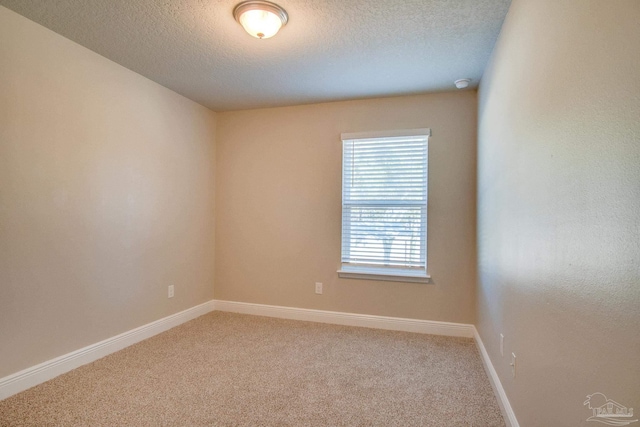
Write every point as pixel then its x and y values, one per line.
pixel 227 369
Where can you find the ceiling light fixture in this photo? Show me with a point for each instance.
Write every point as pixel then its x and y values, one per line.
pixel 261 19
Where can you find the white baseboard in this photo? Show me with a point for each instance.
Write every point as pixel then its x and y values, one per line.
pixel 349 319
pixel 507 412
pixel 38 374
pixel 381 322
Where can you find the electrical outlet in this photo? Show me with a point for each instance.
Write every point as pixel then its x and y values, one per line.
pixel 501 345
pixel 513 364
pixel 319 288
pixel 170 291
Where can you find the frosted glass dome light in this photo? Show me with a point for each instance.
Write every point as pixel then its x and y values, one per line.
pixel 261 19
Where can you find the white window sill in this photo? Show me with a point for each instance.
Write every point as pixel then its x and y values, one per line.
pixel 384 274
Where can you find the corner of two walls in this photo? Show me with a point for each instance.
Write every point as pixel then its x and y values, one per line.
pixel 278 206
pixel 113 187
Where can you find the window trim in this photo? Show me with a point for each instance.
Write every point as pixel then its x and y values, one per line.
pixel 384 274
pixel 386 134
pixel 389 273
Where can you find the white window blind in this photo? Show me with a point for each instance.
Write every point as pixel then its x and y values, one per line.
pixel 384 203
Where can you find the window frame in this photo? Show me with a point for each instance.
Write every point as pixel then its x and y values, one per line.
pixel 378 272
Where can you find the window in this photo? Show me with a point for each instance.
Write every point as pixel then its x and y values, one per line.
pixel 384 205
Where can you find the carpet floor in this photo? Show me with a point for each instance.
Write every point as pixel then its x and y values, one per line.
pixel 225 369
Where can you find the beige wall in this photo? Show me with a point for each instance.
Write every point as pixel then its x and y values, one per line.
pixel 106 197
pixel 559 207
pixel 278 197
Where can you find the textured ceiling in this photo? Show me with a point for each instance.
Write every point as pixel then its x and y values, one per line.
pixel 329 50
